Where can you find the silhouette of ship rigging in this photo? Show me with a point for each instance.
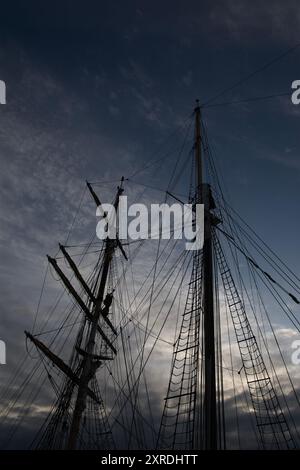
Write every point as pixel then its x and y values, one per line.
pixel 107 387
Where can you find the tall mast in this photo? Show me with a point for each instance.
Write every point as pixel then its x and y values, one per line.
pixel 198 156
pixel 89 369
pixel 203 196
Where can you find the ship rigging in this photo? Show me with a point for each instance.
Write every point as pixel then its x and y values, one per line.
pixel 163 348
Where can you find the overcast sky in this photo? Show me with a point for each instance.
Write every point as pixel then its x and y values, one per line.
pixel 94 87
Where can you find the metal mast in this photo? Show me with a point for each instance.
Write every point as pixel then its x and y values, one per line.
pixel 203 196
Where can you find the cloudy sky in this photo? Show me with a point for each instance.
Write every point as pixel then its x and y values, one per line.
pixel 95 87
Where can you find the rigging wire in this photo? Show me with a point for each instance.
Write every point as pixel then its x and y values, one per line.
pixel 183 255
pixel 260 331
pixel 246 100
pixel 161 158
pixel 272 365
pixel 233 379
pixel 264 244
pixel 127 320
pixel 264 338
pixel 252 74
pixel 256 266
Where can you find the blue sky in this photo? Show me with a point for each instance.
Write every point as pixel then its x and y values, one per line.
pixel 93 88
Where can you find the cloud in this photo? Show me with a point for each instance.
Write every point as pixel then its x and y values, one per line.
pixel 56 131
pixel 252 22
pixel 188 78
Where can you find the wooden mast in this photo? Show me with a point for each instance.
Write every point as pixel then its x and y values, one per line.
pixel 203 196
pixel 90 367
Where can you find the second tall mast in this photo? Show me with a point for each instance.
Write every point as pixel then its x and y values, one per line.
pixel 203 196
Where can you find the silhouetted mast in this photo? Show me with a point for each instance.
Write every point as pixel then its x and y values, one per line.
pixel 193 414
pixel 203 196
pixel 91 363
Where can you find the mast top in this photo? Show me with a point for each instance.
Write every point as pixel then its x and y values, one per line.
pixel 197 149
